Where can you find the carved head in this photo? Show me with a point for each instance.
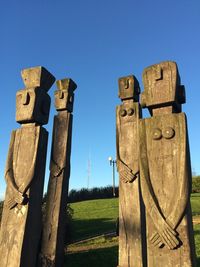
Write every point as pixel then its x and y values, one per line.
pixel 129 88
pixel 162 86
pixel 33 102
pixel 64 96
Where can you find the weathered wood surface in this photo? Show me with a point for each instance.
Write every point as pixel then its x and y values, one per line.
pixel 21 219
pixel 162 87
pixel 166 183
pixel 163 236
pixel 54 230
pixel 55 221
pixel 25 168
pixel 165 171
pixel 131 228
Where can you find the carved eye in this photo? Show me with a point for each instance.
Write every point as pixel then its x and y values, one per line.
pixel 25 98
pixel 123 112
pixel 61 95
pixel 168 132
pixel 156 134
pixel 130 111
pixel 126 84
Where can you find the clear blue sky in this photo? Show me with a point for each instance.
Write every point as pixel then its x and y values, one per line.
pixel 95 43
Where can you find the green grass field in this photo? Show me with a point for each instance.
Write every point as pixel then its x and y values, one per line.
pixel 94 217
pixel 195 202
pixel 98 216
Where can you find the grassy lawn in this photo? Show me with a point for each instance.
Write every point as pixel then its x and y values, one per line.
pixel 197 242
pixel 99 252
pixel 98 216
pixel 195 202
pixel 94 217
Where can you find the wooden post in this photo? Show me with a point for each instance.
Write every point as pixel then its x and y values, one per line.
pixel 54 229
pixel 24 173
pixel 165 170
pixel 132 249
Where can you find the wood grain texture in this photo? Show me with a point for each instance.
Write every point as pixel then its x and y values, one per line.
pixel 54 230
pixel 166 183
pixel 25 169
pixel 131 213
pixel 55 220
pixel 22 221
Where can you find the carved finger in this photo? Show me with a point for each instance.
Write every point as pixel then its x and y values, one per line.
pixel 174 238
pixel 127 176
pixel 154 237
pixel 10 200
pixel 170 229
pixel 19 199
pixel 55 169
pixel 131 177
pixel 165 241
pixel 11 203
pixel 158 242
pixel 59 171
pixel 170 240
pixel 123 178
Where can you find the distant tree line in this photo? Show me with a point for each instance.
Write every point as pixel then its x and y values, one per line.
pixel 196 184
pixel 107 192
pixel 93 193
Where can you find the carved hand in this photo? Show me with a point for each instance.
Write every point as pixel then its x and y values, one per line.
pixel 55 169
pixel 16 198
pixel 127 177
pixel 11 203
pixel 164 235
pixel 22 188
pixel 19 198
pixel 125 173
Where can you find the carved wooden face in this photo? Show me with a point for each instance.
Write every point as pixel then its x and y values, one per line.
pixel 162 86
pixel 64 100
pixel 32 105
pixel 128 88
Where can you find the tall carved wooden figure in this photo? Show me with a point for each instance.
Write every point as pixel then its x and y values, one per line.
pixel 131 242
pixel 24 174
pixel 165 169
pixel 55 221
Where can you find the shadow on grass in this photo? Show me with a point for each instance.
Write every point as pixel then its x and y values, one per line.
pixel 85 228
pixel 106 257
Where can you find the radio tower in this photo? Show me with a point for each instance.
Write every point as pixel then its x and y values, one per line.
pixel 88 171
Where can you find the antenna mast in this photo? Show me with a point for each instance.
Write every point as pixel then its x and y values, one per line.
pixel 88 172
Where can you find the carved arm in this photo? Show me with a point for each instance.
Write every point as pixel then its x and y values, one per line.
pixel 9 176
pixel 55 169
pixel 165 234
pixel 182 193
pixel 15 195
pixel 26 184
pixel 126 173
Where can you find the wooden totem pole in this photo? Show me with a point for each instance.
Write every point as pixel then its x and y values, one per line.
pixel 54 231
pixel 165 171
pixel 131 212
pixel 24 173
